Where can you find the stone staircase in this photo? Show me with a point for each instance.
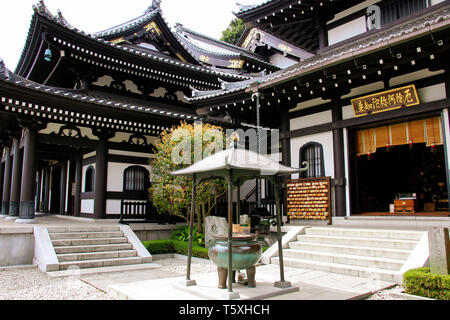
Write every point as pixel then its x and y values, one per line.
pixel 368 253
pixel 92 247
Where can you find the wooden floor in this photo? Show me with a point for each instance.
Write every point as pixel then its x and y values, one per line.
pixel 407 214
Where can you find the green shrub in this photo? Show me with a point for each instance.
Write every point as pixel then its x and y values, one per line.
pixel 159 246
pixel 422 282
pixel 175 246
pixel 181 233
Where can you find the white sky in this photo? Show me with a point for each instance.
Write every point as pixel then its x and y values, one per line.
pixel 209 17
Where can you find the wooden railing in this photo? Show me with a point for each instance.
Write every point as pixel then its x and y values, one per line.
pixel 138 210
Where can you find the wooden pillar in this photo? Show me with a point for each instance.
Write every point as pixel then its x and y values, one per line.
pixel 46 199
pixel 6 182
pixel 30 158
pixel 323 34
pixel 2 175
pixel 78 180
pixel 16 179
pixel 101 174
pixel 286 156
pixel 63 188
pixel 339 161
pixel 37 207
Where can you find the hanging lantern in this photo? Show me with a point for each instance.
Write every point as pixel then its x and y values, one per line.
pixel 48 55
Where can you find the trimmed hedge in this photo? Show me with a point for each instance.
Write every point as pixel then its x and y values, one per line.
pixel 175 246
pixel 421 282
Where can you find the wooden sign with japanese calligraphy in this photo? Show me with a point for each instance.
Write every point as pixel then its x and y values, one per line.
pixel 385 101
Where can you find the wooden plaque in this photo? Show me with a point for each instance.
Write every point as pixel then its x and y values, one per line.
pixel 309 199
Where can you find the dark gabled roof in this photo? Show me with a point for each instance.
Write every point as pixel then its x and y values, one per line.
pixel 43 16
pixel 100 99
pixel 250 38
pixel 136 29
pixel 199 45
pixel 398 33
pixel 296 22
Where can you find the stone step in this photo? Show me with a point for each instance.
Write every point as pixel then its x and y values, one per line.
pixel 96 255
pixel 366 233
pixel 363 272
pixel 85 235
pixel 93 248
pixel 346 259
pixel 353 250
pixel 93 241
pixel 99 263
pixel 56 229
pixel 359 241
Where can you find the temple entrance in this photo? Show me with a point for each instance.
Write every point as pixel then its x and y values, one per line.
pixel 401 179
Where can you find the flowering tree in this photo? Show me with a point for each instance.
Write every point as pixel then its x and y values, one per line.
pixel 179 148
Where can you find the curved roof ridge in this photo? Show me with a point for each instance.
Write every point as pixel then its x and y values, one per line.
pixel 239 51
pixel 148 14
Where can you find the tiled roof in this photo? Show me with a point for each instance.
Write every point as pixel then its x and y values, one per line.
pixel 215 47
pixel 148 15
pixel 381 38
pixel 123 103
pixel 42 10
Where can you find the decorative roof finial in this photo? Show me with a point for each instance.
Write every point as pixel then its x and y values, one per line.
pixel 156 4
pixel 3 70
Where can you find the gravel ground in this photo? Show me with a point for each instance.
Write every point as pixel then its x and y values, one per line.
pixel 386 294
pixel 31 284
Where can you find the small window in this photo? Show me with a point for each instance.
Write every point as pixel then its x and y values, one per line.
pixel 313 154
pixel 136 179
pixel 89 179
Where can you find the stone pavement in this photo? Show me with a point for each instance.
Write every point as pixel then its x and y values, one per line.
pixel 162 283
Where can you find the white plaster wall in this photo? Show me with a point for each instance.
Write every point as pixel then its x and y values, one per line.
pixel 325 139
pixel 113 206
pixel 131 154
pixel 347 30
pixel 309 104
pixel 353 9
pixel 87 206
pixel 281 61
pixel 432 93
pixel 348 112
pixel 311 120
pixel 413 76
pixel 433 2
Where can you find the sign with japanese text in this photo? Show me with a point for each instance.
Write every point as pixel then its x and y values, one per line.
pixel 385 101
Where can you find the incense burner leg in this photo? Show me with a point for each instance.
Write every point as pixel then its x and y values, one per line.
pixel 222 277
pixel 251 273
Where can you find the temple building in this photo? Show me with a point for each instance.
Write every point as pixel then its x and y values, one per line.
pixel 358 89
pixel 81 113
pixel 366 105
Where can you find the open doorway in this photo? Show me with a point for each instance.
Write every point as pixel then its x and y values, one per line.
pixel 384 173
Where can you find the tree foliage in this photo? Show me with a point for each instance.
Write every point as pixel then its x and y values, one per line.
pixel 234 31
pixel 172 194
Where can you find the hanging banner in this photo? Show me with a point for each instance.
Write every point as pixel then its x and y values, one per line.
pixel 385 101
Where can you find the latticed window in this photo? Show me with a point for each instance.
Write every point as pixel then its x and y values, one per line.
pixel 313 154
pixel 89 179
pixel 136 179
